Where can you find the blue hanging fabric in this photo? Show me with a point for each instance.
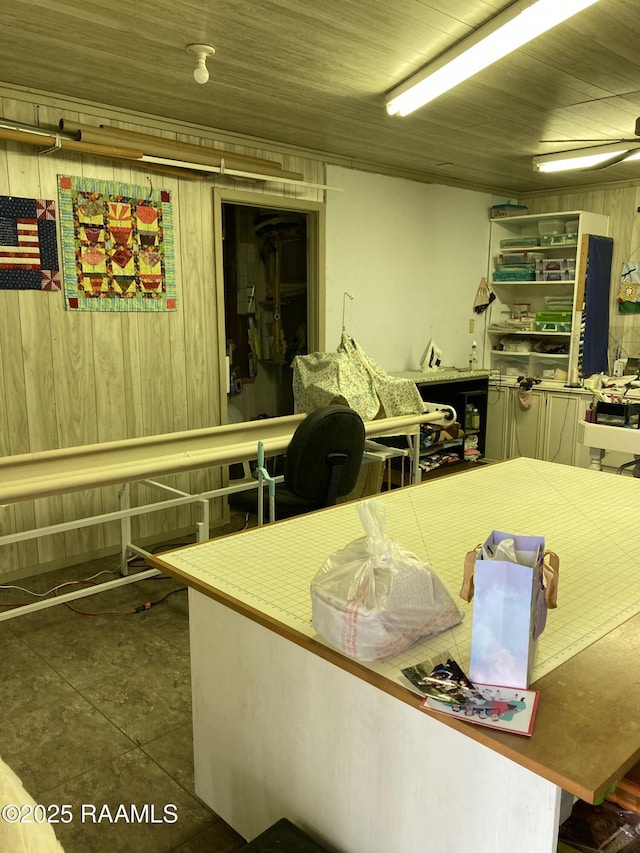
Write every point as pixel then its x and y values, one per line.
pixel 596 312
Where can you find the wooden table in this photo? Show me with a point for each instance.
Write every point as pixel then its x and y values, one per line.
pixel 285 726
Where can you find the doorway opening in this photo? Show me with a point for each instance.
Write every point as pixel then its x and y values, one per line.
pixel 270 275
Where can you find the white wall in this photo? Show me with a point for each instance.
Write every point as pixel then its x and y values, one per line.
pixel 412 256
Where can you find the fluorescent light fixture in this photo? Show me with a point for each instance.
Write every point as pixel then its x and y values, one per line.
pixel 509 30
pixel 587 158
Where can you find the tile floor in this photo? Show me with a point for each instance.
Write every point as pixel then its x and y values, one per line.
pixel 97 710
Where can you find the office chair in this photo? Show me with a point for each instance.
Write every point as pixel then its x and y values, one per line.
pixel 322 463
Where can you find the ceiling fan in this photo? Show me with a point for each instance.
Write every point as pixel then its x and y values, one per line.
pixel 607 153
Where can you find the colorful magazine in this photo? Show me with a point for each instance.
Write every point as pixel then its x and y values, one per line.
pixel 443 680
pixel 501 708
pixel 447 690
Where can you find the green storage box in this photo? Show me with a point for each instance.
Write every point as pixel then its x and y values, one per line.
pixel 553 317
pixel 508 242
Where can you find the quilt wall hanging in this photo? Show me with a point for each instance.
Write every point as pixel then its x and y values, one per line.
pixel 629 291
pixel 117 246
pixel 28 244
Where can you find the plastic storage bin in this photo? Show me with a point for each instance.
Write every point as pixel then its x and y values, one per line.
pixel 553 317
pixel 515 274
pixel 558 240
pixel 510 364
pixel 556 275
pixel 497 211
pixel 556 264
pixel 524 242
pixel 618 414
pixel 510 259
pixel 547 367
pixel 551 226
pixel 552 327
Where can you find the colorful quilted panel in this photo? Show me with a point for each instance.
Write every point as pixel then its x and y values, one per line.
pixel 117 246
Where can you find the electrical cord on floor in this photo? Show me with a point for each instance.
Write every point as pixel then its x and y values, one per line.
pixel 141 608
pixel 134 562
pixel 59 586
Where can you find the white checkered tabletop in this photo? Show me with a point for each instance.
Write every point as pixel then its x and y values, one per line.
pixel 588 518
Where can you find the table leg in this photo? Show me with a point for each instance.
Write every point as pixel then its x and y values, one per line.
pixel 596 454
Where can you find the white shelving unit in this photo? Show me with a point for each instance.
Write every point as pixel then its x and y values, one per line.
pixel 530 349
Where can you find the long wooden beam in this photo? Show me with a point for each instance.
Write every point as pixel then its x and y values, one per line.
pixel 174 149
pixel 51 140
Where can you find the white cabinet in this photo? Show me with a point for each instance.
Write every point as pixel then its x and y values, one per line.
pixel 498 403
pixel 537 270
pixel 559 440
pixel 547 430
pixel 527 426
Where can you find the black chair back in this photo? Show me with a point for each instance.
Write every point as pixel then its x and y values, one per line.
pixel 324 456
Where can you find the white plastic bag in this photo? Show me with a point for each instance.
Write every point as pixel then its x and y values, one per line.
pixel 373 599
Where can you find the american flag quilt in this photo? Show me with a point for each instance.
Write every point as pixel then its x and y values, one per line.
pixel 28 244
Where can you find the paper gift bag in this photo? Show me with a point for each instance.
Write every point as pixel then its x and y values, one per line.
pixel 513 582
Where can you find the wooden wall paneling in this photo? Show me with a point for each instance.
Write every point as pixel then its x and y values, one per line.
pixel 621 210
pixel 199 318
pixel 136 331
pixel 132 377
pixel 104 337
pixel 40 365
pixel 106 340
pixel 21 390
pixel 156 389
pixel 195 215
pixel 15 399
pixel 39 375
pixel 113 391
pixel 253 186
pixel 156 401
pixel 77 419
pixel 215 345
pixel 132 411
pixel 111 379
pixel 628 325
pixel 192 359
pixel 9 557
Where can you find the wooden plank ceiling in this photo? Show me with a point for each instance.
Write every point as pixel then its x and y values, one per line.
pixel 314 74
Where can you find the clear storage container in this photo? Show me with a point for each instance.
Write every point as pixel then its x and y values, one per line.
pixel 507 259
pixel 551 226
pixel 556 264
pixel 558 240
pixel 556 275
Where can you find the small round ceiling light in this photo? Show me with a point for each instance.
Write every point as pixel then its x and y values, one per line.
pixel 202 51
